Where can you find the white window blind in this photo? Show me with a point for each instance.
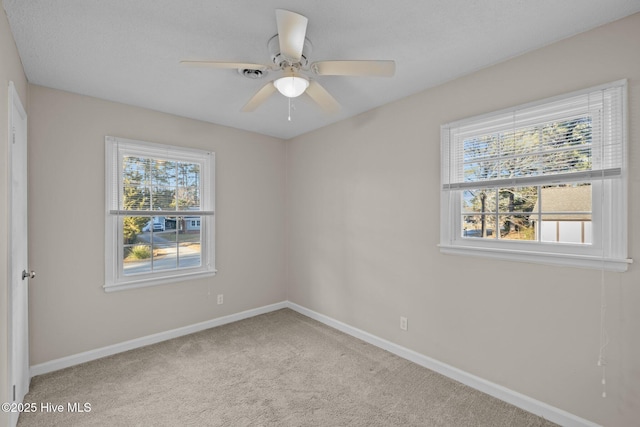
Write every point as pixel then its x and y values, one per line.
pixel 530 145
pixel 170 192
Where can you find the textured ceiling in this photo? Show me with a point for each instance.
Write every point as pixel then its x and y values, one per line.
pixel 129 51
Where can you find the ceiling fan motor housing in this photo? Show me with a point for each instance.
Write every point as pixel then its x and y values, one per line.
pixel 281 61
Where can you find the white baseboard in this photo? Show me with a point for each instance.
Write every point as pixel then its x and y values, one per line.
pixel 87 356
pixel 527 403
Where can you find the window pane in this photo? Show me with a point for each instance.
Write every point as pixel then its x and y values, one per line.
pixel 517 167
pixel 480 200
pixel 163 184
pixel 522 141
pixel 136 233
pixel 189 240
pixel 135 179
pixel 517 199
pixel 516 203
pixel 136 170
pixel 574 199
pixel 573 132
pixel 548 230
pixel 479 171
pixel 485 146
pixel 163 173
pixel 567 161
pixel 571 231
pixel 566 229
pixel 153 225
pixel 190 255
pixel 164 198
pixel 164 254
pixel 188 191
pixel 136 197
pixel 566 213
pixel 137 259
pixel 479 226
pixel 517 227
pixel 133 227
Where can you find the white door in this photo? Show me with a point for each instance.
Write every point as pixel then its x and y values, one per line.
pixel 19 262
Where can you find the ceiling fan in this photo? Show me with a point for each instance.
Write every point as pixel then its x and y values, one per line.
pixel 290 51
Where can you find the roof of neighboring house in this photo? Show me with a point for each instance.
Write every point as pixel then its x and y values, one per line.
pixel 566 199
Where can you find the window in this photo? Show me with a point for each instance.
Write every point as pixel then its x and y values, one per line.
pixel 159 214
pixel 543 182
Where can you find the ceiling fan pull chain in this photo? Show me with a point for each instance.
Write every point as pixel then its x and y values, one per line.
pixel 289 108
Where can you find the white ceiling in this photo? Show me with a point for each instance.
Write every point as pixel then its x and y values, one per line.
pixel 129 50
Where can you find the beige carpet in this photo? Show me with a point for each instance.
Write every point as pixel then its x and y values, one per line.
pixel 278 369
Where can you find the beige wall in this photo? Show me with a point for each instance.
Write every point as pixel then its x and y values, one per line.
pixel 363 202
pixel 10 70
pixel 69 310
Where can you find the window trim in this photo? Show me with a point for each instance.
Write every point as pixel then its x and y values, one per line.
pixel 609 208
pixel 115 149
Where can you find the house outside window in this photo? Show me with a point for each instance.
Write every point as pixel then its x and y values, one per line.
pixel 572 227
pixel 154 193
pixel 543 182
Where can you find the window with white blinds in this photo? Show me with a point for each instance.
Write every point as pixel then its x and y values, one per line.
pixel 542 182
pixel 159 213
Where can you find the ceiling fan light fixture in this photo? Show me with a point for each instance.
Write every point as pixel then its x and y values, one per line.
pixel 291 86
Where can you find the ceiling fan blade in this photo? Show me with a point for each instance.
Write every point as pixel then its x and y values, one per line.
pixel 322 97
pixel 355 68
pixel 292 29
pixel 261 96
pixel 224 65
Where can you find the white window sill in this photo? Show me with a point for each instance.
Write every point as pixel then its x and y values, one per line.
pixel 153 281
pixel 565 260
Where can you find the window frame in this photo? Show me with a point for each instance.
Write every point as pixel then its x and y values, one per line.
pixel 609 205
pixel 115 150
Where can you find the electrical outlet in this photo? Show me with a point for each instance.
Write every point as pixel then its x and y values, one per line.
pixel 220 299
pixel 403 323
